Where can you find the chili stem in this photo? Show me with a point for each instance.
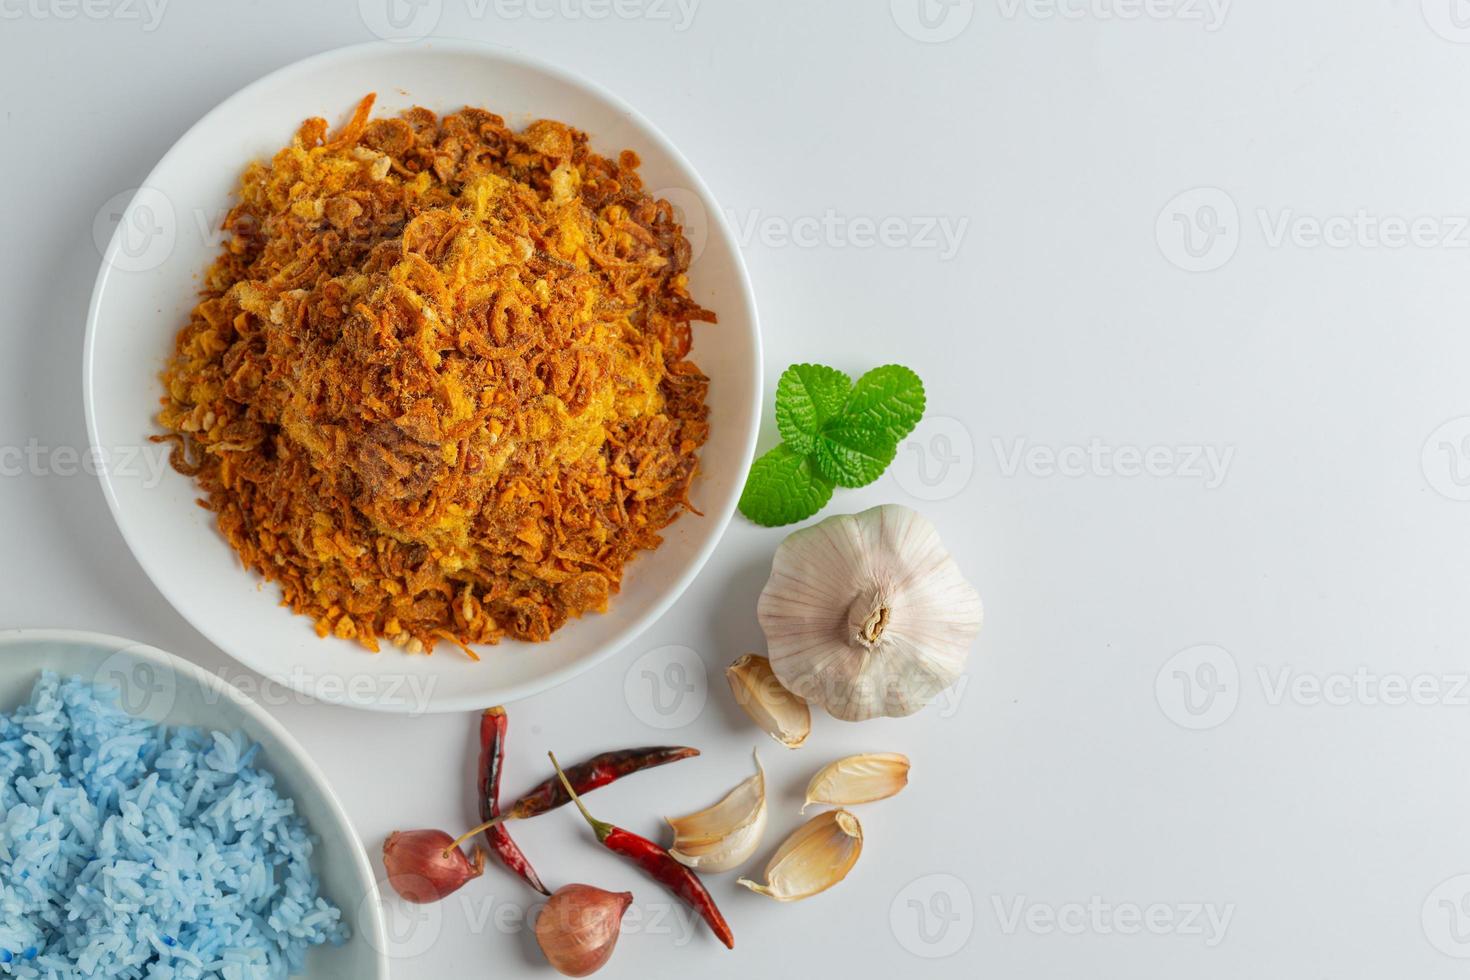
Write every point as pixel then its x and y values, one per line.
pixel 598 827
pixel 487 825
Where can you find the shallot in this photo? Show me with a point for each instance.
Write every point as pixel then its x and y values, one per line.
pixel 578 928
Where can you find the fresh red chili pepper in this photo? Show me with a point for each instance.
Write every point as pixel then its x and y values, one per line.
pixel 493 724
pixel 596 772
pixel 659 864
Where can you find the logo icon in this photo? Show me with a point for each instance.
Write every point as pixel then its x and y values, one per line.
pixel 143 224
pixel 1446 917
pixel 1199 687
pixel 933 916
pixel 667 687
pixel 689 211
pixel 1199 230
pixel 144 689
pixel 409 929
pixel 400 20
pixel 1446 459
pixel 937 461
pixel 932 21
pixel 1450 19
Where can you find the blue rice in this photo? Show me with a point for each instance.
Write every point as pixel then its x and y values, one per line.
pixel 133 850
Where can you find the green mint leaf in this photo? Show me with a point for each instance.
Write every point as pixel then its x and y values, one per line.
pixel 783 488
pixel 807 396
pixel 852 455
pixel 888 399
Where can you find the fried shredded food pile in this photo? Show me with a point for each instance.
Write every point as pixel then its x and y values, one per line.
pixel 437 386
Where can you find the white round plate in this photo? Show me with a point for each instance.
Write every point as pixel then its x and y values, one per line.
pixel 171 691
pixel 148 283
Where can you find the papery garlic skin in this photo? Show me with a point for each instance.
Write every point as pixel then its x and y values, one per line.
pixel 779 713
pixel 815 857
pixel 723 836
pixel 867 614
pixel 859 779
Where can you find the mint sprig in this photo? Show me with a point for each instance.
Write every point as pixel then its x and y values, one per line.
pixel 836 434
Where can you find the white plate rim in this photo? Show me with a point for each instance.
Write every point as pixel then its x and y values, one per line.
pixel 10 638
pixel 718 224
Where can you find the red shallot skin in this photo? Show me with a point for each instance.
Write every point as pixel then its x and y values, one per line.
pixel 578 928
pixel 425 865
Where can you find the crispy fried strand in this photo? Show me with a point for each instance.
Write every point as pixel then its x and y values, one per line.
pixel 437 386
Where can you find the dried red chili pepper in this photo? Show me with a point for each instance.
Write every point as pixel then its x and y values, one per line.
pixel 653 859
pixel 493 724
pixel 596 772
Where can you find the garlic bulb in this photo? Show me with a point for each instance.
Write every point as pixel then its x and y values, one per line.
pixel 725 835
pixel 780 714
pixel 859 779
pixel 817 856
pixel 867 614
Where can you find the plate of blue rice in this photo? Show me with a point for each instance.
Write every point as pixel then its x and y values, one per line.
pixel 157 823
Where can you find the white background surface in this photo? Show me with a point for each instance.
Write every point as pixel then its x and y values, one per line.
pixel 1064 781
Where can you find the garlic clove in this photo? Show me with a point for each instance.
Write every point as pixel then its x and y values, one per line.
pixel 815 857
pixel 780 714
pixel 859 779
pixel 725 835
pixel 867 614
